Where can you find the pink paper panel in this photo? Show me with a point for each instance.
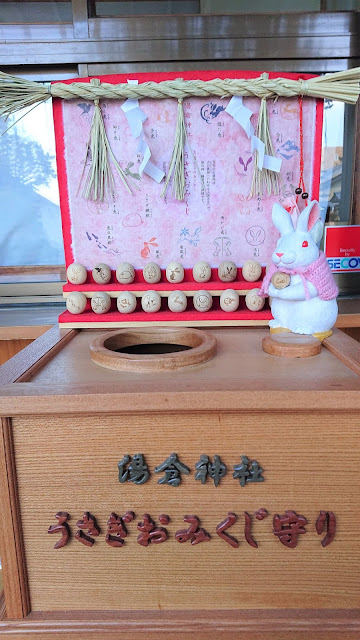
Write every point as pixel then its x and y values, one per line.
pixel 218 219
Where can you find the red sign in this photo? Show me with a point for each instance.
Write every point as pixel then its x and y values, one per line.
pixel 342 248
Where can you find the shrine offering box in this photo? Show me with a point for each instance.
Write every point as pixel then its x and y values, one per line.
pixel 219 500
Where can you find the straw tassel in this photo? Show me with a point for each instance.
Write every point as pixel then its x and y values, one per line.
pixel 100 180
pixel 264 179
pixel 176 168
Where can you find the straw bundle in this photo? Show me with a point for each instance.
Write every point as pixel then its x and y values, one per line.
pixel 176 167
pixel 17 93
pixel 263 179
pixel 100 180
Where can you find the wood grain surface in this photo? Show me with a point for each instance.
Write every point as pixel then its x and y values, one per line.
pixel 224 625
pixel 240 377
pixel 9 348
pixel 343 347
pixel 11 538
pixel 311 462
pixel 35 355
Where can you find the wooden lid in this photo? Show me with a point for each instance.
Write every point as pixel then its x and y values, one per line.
pixel 291 345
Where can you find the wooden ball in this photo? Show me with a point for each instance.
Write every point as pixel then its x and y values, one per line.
pixel 251 270
pixel 229 300
pixel 201 271
pixel 152 273
pixel 125 273
pixel 126 302
pixel 203 300
pixel 227 271
pixel 151 301
pixel 101 273
pixel 175 272
pixel 76 273
pixel 177 301
pixel 76 302
pixel 280 280
pixel 100 302
pixel 253 301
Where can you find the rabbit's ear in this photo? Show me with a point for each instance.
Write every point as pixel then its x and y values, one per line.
pixel 308 217
pixel 309 221
pixel 317 231
pixel 282 220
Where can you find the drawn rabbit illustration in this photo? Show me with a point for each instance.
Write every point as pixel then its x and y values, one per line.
pixel 308 304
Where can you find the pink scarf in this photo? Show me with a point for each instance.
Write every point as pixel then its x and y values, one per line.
pixel 318 273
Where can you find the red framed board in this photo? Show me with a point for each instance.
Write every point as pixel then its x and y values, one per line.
pixel 218 219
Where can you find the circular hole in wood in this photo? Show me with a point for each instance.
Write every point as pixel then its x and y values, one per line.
pixel 156 347
pixel 153 349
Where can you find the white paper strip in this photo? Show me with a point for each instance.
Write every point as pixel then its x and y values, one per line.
pixel 258 145
pixel 241 114
pixel 272 163
pixel 135 117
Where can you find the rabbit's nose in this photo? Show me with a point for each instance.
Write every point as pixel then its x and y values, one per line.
pixel 279 254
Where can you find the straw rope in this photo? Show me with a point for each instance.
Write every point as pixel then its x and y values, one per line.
pixel 17 93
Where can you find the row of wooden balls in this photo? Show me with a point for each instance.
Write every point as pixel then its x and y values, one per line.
pixel 151 301
pixel 125 273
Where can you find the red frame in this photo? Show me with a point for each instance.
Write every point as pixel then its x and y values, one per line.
pixel 189 283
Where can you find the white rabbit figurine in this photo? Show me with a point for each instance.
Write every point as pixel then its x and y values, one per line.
pixel 308 304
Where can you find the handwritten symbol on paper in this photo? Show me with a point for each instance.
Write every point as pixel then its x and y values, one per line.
pixel 255 235
pixel 244 210
pixel 245 164
pixel 192 238
pixel 290 149
pixel 93 237
pixel 85 107
pixel 210 110
pixel 164 117
pixel 145 251
pixel 222 246
pixel 288 190
pixel 128 172
pixel 132 220
pixel 289 109
pixel 97 207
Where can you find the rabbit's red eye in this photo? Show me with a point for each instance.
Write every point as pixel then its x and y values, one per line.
pixel 305 243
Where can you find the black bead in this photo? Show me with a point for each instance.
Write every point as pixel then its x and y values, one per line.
pixel 298 191
pixel 305 195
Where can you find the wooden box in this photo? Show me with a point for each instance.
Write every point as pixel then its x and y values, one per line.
pixel 291 568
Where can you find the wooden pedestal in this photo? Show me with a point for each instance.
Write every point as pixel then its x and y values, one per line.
pixel 68 422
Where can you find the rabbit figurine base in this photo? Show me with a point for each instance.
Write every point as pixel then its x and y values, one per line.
pixel 308 304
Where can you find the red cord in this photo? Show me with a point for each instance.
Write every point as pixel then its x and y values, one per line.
pixel 301 179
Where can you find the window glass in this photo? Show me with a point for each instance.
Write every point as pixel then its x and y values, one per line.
pixel 35 12
pixel 142 7
pixel 29 195
pixel 332 163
